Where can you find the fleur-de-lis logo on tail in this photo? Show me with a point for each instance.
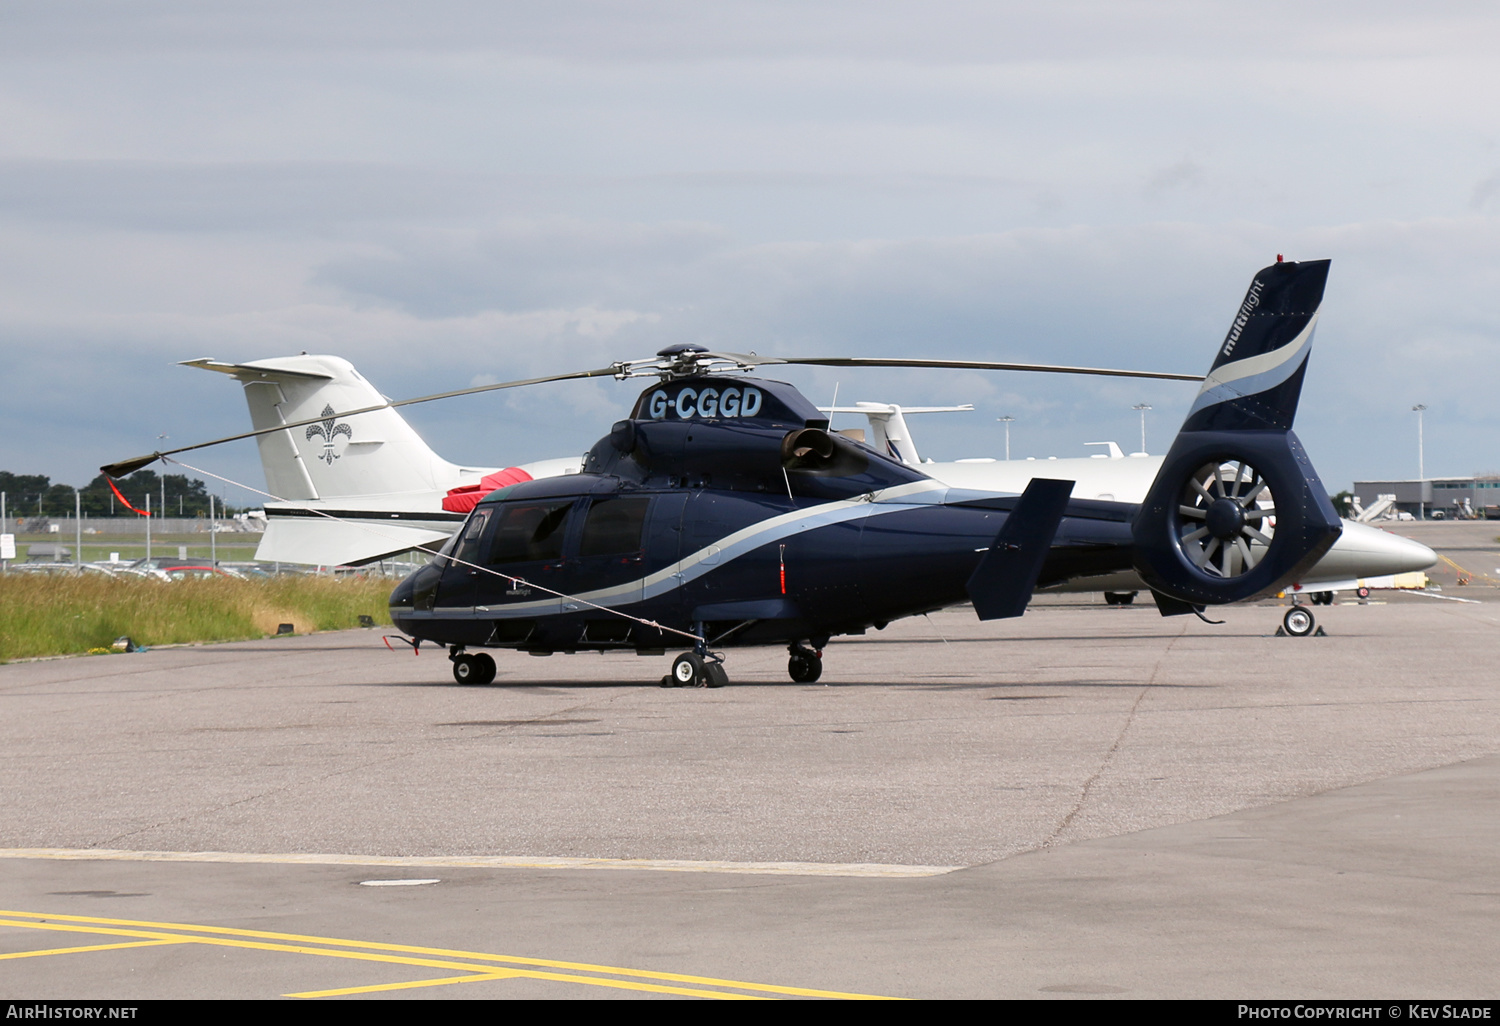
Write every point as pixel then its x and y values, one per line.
pixel 328 431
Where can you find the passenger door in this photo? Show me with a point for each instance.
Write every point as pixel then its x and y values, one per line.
pixel 526 546
pixel 610 565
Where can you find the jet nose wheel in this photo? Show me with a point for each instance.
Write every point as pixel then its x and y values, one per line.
pixel 473 668
pixel 1298 621
pixel 805 666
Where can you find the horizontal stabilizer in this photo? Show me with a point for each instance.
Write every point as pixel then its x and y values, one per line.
pixel 263 370
pixel 1002 584
pixel 322 541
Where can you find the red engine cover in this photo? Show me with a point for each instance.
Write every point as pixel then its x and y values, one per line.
pixel 461 500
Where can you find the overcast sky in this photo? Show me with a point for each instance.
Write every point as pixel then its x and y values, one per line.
pixel 450 193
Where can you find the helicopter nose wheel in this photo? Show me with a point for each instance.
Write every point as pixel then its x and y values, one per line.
pixel 691 670
pixel 805 665
pixel 473 668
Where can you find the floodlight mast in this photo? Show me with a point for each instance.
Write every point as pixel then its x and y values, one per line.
pixel 1007 420
pixel 1419 409
pixel 1142 408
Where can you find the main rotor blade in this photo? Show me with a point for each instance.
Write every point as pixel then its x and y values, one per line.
pixel 864 361
pixel 130 466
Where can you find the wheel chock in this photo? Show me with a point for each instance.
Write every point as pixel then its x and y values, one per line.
pixel 1320 633
pixel 1281 633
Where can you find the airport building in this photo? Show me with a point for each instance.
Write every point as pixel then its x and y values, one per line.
pixel 1427 499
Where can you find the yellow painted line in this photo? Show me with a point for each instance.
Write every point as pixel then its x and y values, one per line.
pixel 402 955
pixel 365 956
pixel 91 947
pixel 532 974
pixel 875 870
pixel 343 991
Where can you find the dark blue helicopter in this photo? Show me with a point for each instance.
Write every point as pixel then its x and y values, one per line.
pixel 724 513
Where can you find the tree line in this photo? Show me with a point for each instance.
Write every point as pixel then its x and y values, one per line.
pixel 29 495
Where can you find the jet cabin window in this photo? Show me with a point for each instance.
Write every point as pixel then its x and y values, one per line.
pixel 614 526
pixel 530 531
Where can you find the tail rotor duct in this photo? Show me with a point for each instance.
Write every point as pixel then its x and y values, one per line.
pixel 1225 518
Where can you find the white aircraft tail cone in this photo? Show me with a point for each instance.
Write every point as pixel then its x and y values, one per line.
pixel 1365 551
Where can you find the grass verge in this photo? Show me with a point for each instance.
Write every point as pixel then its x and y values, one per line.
pixel 62 615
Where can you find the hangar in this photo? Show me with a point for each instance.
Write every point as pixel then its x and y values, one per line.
pixel 1426 498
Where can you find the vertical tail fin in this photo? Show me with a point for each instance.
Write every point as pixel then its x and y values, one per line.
pixel 1256 378
pixel 1237 509
pixel 376 453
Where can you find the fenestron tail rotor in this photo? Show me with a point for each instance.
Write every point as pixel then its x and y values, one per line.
pixel 1225 518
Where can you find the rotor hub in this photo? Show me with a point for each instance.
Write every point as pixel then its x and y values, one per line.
pixel 1226 518
pixel 681 348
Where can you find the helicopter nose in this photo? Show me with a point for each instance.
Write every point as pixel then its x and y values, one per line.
pixel 1365 551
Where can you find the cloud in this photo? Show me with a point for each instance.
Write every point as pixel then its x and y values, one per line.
pixel 522 265
pixel 1404 319
pixel 1186 173
pixel 1485 190
pixel 468 189
pixel 302 197
pixel 593 30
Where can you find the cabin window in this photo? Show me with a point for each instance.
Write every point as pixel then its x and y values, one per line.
pixel 614 526
pixel 467 550
pixel 530 531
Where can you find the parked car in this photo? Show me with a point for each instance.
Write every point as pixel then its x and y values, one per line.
pixel 186 572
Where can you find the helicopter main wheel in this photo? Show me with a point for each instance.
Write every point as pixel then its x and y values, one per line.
pixel 475 668
pixel 1298 621
pixel 805 666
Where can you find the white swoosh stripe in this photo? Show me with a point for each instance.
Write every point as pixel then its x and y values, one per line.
pixel 747 539
pixel 1253 365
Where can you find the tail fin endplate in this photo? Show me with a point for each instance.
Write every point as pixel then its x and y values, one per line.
pixel 1001 585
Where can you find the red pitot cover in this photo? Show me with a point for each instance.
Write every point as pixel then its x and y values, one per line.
pixel 461 500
